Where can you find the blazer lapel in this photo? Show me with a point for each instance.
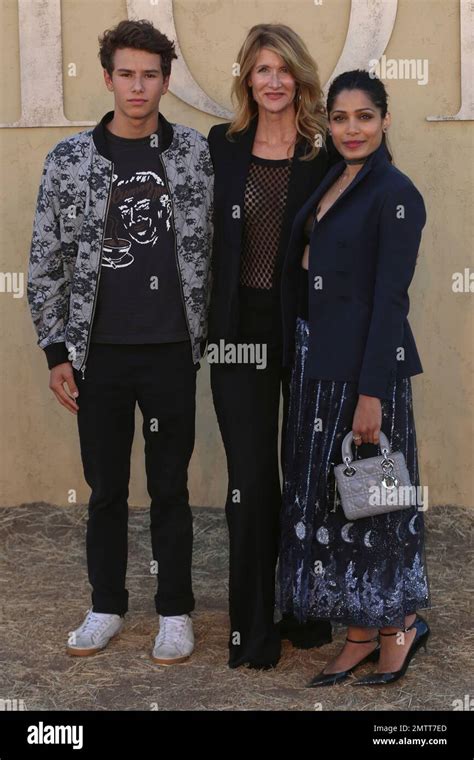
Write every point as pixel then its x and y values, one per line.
pixel 241 161
pixel 379 155
pixel 237 166
pixel 323 186
pixel 349 189
pixel 333 174
pixel 297 177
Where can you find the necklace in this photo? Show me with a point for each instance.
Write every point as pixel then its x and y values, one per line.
pixel 343 176
pixel 341 188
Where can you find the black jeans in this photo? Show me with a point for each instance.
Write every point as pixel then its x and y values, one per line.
pixel 161 378
pixel 247 402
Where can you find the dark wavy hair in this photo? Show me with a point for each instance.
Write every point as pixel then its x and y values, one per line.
pixel 140 35
pixel 358 79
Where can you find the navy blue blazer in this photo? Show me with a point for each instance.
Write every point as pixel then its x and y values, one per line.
pixel 362 258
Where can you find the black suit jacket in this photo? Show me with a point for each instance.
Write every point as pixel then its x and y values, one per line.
pixel 231 162
pixel 363 253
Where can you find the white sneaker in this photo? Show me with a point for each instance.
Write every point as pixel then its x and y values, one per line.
pixel 175 640
pixel 94 634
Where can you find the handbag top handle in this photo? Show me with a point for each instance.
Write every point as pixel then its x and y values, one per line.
pixel 346 447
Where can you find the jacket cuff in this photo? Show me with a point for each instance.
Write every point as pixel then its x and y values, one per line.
pixel 379 387
pixel 56 353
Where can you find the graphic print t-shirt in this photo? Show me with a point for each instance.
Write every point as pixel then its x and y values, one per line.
pixel 139 297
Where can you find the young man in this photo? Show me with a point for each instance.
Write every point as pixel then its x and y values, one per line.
pixel 118 290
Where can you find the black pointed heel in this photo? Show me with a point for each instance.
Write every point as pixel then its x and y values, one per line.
pixel 332 679
pixel 421 637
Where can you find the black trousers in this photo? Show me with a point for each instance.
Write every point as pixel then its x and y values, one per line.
pixel 247 402
pixel 161 378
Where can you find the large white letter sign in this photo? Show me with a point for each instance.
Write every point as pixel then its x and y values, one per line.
pixel 370 26
pixel 466 23
pixel 182 83
pixel 41 58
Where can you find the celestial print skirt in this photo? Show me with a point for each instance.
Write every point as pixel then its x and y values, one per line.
pixel 369 572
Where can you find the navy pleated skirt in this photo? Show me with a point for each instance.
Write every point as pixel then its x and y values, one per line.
pixel 368 572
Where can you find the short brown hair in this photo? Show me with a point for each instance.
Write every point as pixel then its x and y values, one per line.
pixel 140 35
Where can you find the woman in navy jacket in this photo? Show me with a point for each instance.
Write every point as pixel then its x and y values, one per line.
pixel 266 162
pixel 353 250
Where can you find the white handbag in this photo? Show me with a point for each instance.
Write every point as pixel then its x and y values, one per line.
pixel 375 485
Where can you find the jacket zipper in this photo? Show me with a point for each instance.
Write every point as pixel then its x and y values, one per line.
pixel 175 250
pixel 83 366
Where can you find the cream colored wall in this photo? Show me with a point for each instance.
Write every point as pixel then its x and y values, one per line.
pixel 40 458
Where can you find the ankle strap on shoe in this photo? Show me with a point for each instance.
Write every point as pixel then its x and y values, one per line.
pixel 402 630
pixel 362 641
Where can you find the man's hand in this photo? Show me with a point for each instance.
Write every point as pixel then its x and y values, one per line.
pixel 367 420
pixel 59 375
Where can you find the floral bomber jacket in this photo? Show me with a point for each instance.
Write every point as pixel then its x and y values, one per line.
pixel 69 229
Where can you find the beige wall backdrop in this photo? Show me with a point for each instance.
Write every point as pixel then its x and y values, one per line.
pixel 40 458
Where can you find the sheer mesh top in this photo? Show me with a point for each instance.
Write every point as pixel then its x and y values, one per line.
pixel 265 199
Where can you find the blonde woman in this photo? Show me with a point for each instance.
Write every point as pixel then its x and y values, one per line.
pixel 267 162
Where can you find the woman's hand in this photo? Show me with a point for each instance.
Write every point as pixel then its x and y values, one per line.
pixel 367 420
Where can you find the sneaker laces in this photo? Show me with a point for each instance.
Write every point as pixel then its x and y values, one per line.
pixel 93 622
pixel 171 628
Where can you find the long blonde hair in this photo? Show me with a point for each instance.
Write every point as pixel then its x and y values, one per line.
pixel 310 113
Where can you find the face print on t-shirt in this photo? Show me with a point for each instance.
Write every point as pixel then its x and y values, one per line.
pixel 140 213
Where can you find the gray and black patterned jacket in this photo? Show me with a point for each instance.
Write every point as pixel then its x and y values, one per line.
pixel 69 228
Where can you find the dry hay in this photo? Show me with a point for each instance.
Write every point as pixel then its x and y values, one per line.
pixel 45 594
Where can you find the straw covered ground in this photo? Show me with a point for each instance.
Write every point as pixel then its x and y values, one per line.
pixel 45 594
